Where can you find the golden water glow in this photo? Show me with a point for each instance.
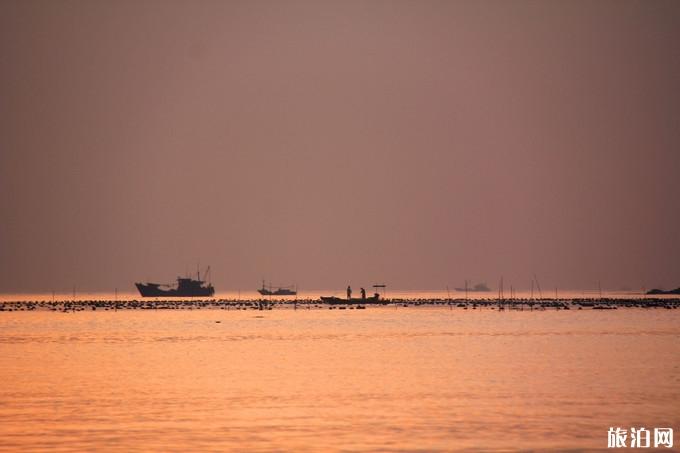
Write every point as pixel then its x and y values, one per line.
pixel 325 380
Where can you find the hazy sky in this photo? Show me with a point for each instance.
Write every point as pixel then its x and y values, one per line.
pixel 417 143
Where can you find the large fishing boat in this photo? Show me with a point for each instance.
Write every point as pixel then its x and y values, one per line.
pixel 185 287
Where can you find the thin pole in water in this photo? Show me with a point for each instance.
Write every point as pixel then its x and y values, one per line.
pixel 538 285
pixel 500 291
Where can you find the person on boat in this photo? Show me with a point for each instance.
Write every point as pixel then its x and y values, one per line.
pixel 349 292
pixel 363 293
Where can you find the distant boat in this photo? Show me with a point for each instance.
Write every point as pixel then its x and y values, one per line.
pixel 661 291
pixel 280 291
pixel 185 287
pixel 478 288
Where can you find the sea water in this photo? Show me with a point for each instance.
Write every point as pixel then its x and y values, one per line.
pixel 381 379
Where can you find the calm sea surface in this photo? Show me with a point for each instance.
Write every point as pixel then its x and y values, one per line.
pixel 380 379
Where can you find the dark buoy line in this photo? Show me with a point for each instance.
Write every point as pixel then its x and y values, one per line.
pixel 261 304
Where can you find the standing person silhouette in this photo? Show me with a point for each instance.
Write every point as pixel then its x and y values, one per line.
pixel 349 292
pixel 363 293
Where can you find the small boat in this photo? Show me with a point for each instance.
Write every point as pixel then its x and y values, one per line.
pixel 478 288
pixel 280 291
pixel 661 291
pixel 333 300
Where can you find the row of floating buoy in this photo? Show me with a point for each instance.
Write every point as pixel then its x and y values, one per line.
pixel 227 304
